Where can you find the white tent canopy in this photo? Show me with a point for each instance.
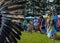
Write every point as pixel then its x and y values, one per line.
pixel 58 16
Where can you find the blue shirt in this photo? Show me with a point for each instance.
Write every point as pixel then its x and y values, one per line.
pixel 35 21
pixel 55 17
pixel 43 22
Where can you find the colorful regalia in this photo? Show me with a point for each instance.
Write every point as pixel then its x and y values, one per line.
pixel 55 18
pixel 42 28
pixel 47 24
pixel 52 30
pixel 24 24
pixel 31 25
pixel 28 25
pixel 39 22
pixel 35 24
pixel 59 24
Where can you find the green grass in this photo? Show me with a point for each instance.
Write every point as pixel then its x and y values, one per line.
pixel 36 37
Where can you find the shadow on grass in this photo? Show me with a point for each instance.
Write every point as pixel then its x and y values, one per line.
pixel 58 38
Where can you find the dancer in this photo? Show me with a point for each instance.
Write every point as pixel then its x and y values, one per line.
pixel 39 22
pixel 47 24
pixel 28 25
pixel 24 24
pixel 55 18
pixel 31 25
pixel 42 27
pixel 35 24
pixel 52 31
pixel 59 24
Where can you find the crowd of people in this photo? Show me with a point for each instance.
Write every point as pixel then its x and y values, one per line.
pixel 47 25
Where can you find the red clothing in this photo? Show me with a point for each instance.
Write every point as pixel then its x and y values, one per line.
pixel 38 28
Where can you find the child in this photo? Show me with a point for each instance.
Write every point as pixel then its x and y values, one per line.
pixel 30 25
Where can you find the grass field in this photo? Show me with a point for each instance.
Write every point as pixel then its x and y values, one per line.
pixel 36 37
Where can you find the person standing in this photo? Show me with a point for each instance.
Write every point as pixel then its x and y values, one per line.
pixel 35 24
pixel 55 18
pixel 47 24
pixel 42 27
pixel 24 24
pixel 31 25
pixel 28 25
pixel 39 23
pixel 52 31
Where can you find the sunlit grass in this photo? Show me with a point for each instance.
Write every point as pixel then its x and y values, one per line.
pixel 36 37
